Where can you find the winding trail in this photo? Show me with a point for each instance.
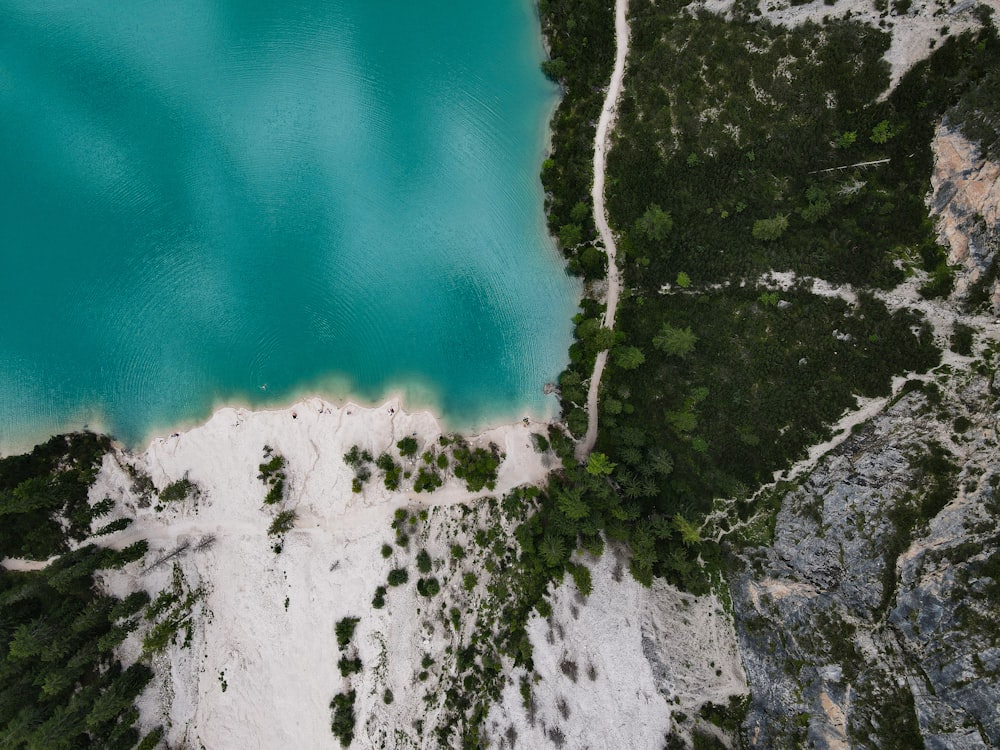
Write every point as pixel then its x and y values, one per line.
pixel 601 144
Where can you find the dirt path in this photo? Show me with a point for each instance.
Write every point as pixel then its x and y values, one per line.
pixel 601 143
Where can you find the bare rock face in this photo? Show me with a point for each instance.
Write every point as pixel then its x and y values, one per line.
pixel 871 620
pixel 966 198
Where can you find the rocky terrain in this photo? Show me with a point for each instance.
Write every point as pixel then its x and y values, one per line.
pixel 871 619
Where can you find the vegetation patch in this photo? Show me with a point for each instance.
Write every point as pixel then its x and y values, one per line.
pixel 272 474
pixel 62 686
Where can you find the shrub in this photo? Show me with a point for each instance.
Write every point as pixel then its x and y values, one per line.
pixel 477 467
pixel 407 446
pixel 768 230
pixel 423 561
pixel 343 717
pixel 469 581
pixel 344 630
pixel 386 551
pixel 428 587
pixel 282 522
pixel 540 442
pixel 378 602
pixel 348 666
pixel 398 576
pixel 427 480
pixel 179 490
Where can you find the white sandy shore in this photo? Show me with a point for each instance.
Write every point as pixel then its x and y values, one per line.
pixel 278 661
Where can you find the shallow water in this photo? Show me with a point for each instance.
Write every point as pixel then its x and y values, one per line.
pixel 251 201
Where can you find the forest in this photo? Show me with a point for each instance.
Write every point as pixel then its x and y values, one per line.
pixel 743 148
pixel 61 685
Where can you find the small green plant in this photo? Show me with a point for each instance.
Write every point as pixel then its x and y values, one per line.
pixel 469 581
pixel 344 631
pixel 182 489
pixel 387 697
pixel 282 523
pixel 272 474
pixel 378 602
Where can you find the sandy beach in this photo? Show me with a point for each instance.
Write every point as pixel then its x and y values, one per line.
pixel 264 622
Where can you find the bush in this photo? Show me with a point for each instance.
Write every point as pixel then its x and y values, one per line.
pixel 282 522
pixel 386 551
pixel 427 480
pixel 378 602
pixel 428 587
pixel 398 576
pixel 407 446
pixel 344 630
pixel 477 467
pixel 343 717
pixel 179 490
pixel 423 561
pixel 348 666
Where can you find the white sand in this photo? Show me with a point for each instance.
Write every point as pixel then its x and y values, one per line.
pixel 614 668
pixel 279 664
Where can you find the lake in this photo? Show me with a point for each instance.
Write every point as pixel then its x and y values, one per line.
pixel 204 203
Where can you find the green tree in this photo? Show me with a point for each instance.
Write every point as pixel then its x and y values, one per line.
pixel 570 235
pixel 628 357
pixel 553 550
pixel 655 224
pixel 768 230
pixel 846 139
pixel 554 69
pixel 882 132
pixel 676 342
pixel 571 503
pixel 689 532
pixel 599 465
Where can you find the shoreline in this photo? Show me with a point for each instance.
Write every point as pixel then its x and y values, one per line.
pixel 396 398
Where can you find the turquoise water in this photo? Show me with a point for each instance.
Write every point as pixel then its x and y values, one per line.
pixel 200 199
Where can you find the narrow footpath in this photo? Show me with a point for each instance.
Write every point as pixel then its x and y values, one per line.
pixel 601 144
